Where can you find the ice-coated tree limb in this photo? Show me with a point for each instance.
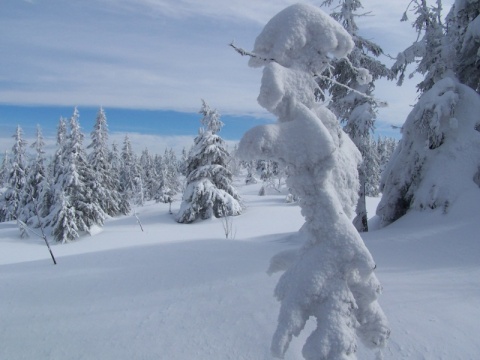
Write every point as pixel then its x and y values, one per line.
pixel 380 103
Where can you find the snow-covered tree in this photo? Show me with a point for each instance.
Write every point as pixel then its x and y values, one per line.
pixel 438 157
pixel 103 185
pixel 4 169
pixel 168 171
pixel 332 276
pixel 209 190
pixel 385 148
pixel 16 179
pixel 428 51
pixel 463 38
pixel 116 170
pixel 130 175
pixel 353 104
pixel 36 183
pixel 149 175
pixel 73 180
pixel 65 220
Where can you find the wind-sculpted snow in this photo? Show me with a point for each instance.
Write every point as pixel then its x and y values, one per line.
pixel 331 278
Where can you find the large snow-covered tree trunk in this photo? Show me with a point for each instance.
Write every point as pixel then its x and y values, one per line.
pixel 331 277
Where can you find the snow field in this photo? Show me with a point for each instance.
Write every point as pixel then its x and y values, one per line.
pixel 181 291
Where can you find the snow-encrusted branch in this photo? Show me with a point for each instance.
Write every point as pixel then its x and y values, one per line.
pixel 379 103
pixel 244 52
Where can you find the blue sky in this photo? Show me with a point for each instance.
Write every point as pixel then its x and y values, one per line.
pixel 150 62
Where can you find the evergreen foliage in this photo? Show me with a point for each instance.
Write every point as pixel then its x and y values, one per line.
pixel 445 119
pixel 209 191
pixel 10 204
pixel 353 103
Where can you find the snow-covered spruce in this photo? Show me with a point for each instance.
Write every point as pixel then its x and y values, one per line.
pixel 72 180
pixel 16 176
pixel 331 278
pixel 36 184
pixel 131 182
pixel 209 191
pixel 104 185
pixel 438 156
pixel 353 103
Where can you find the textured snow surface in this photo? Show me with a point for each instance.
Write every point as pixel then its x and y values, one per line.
pixel 181 291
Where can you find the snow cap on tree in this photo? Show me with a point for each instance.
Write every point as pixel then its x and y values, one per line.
pixel 301 35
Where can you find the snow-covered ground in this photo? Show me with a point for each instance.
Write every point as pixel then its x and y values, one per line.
pixel 179 291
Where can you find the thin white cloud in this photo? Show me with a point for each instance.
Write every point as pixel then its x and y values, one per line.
pixel 157 54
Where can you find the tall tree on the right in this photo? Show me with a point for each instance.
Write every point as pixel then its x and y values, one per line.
pixel 353 103
pixel 438 157
pixel 463 34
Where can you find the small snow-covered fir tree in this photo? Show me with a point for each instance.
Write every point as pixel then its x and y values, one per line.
pixel 35 184
pixel 16 178
pixel 130 175
pixel 209 191
pixel 116 170
pixel 148 174
pixel 4 169
pixel 65 220
pixel 332 276
pixel 103 186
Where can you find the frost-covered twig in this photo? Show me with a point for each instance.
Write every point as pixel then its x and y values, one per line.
pixel 380 103
pixel 138 220
pixel 227 223
pixel 26 229
pixel 244 52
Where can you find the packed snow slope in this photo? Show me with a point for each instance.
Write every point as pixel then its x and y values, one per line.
pixel 178 291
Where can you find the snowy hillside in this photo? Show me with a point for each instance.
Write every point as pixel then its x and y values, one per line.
pixel 179 291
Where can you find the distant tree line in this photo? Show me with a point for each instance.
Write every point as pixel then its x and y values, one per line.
pixel 74 190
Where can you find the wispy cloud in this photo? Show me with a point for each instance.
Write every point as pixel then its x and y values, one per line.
pixel 155 54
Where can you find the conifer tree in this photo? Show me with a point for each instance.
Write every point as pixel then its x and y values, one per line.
pixel 72 183
pixel 4 169
pixel 440 135
pixel 16 178
pixel 103 185
pixel 149 175
pixel 116 170
pixel 130 175
pixel 463 41
pixel 35 184
pixel 65 220
pixel 353 104
pixel 209 190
